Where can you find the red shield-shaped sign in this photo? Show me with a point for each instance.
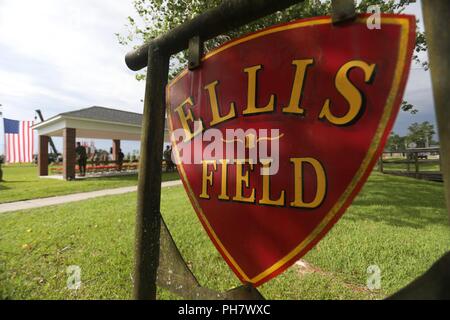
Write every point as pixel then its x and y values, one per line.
pixel 311 105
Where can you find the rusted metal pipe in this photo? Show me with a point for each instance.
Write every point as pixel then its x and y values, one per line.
pixel 229 15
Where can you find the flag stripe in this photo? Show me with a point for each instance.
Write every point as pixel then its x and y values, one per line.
pixel 16 148
pixel 11 145
pixel 22 143
pixel 7 148
pixel 11 148
pixel 32 139
pixel 25 141
pixel 25 144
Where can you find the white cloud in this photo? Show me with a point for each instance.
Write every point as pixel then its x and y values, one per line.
pixel 76 42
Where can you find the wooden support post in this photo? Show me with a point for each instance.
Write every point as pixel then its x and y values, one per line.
pixel 148 222
pixel 43 156
pixel 435 283
pixel 416 164
pixel 436 15
pixel 408 161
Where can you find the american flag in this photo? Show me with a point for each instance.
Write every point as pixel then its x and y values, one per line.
pixel 19 141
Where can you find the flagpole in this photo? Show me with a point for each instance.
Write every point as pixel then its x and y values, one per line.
pixel 2 138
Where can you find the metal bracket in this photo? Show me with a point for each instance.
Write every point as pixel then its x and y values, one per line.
pixel 342 11
pixel 175 276
pixel 195 52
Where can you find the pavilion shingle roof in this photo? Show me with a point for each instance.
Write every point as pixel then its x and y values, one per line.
pixel 106 114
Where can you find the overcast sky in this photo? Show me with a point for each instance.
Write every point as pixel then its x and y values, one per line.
pixel 62 55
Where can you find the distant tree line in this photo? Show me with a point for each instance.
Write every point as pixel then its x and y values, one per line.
pixel 420 135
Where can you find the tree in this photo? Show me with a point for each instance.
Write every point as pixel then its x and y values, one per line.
pixel 421 134
pixel 395 142
pixel 156 17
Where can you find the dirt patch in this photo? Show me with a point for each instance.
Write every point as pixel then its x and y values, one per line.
pixel 303 267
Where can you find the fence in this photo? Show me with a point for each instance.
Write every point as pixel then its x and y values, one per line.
pixel 419 163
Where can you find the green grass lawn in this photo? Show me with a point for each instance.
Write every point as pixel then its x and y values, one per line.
pixel 397 223
pixel 22 183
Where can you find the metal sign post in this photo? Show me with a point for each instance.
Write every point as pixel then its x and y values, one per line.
pixel 436 17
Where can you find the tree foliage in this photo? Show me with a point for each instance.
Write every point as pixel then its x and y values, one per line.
pixel 155 17
pixel 396 142
pixel 421 134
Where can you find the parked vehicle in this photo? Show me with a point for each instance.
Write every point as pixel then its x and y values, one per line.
pixel 422 155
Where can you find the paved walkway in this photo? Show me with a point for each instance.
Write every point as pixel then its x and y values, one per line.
pixel 43 202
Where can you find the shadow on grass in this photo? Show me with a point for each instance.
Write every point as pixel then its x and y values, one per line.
pixel 400 202
pixel 3 187
pixel 17 181
pixel 405 217
pixel 400 191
